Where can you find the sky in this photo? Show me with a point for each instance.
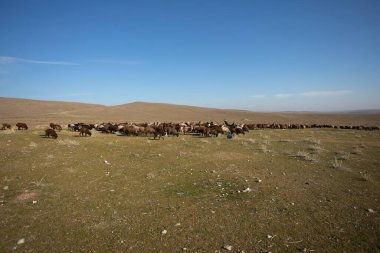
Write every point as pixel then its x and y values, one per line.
pixel 259 55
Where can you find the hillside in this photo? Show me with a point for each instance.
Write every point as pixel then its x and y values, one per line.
pixel 37 112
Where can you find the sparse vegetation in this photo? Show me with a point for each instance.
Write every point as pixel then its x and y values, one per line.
pixel 251 141
pixel 285 140
pixel 204 140
pixel 68 142
pixel 357 151
pixel 315 149
pixel 264 148
pixel 8 131
pixel 38 183
pixel 337 163
pixel 218 191
pixel 305 156
pixel 32 145
pixel 342 155
pixel 364 176
pixel 314 141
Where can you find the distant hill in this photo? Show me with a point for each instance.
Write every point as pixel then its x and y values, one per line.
pixel 370 111
pixel 38 112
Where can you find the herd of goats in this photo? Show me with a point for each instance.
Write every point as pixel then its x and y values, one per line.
pixel 159 130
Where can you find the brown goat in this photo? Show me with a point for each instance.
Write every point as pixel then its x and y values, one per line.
pixel 84 131
pixel 56 126
pixel 21 126
pixel 50 132
pixel 159 133
pixel 6 126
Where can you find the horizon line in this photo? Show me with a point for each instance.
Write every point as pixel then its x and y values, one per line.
pixel 218 108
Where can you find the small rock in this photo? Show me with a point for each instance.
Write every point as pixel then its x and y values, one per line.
pixel 371 210
pixel 34 202
pixel 177 224
pixel 227 247
pixel 213 211
pixel 6 188
pixel 150 175
pixel 259 180
pixel 106 162
pixel 21 241
pixel 159 155
pixel 164 232
pixel 247 189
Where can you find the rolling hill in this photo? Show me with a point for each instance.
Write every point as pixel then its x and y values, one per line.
pixel 38 112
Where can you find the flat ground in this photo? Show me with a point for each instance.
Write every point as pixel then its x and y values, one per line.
pixel 312 190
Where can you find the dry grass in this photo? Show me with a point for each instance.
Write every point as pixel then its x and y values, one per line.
pixel 39 183
pixel 337 163
pixel 32 145
pixel 204 141
pixel 305 156
pixel 8 131
pixel 364 176
pixel 68 142
pixel 41 127
pixel 264 148
pixel 84 204
pixel 285 140
pixel 315 149
pixel 357 151
pixel 342 155
pixel 314 141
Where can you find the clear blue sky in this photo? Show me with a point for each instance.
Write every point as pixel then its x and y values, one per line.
pixel 259 55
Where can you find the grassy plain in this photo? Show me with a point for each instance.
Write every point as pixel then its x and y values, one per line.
pixel 311 190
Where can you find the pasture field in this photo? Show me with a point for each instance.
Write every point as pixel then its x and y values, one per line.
pixel 312 190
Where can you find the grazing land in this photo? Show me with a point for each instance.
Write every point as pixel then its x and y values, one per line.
pixel 36 112
pixel 305 190
pixel 270 190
